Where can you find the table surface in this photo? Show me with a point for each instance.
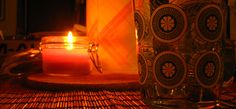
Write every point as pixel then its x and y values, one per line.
pixel 15 94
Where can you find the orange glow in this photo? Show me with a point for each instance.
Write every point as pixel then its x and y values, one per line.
pixel 70 41
pixel 136 34
pixel 110 28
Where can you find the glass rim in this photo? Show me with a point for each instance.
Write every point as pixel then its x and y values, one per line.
pixel 63 39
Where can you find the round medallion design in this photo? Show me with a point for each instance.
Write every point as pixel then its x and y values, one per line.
pixel 168 23
pixel 209 23
pixel 208 69
pixel 169 69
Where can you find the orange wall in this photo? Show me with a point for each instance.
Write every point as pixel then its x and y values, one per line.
pixel 111 23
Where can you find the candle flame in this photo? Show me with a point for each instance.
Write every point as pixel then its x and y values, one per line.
pixel 70 41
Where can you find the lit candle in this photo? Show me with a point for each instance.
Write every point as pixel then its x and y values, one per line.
pixel 65 56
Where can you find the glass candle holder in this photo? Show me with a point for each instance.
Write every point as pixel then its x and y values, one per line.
pixel 180 66
pixel 65 56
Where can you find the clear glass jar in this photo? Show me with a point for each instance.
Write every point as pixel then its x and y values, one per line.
pixel 62 56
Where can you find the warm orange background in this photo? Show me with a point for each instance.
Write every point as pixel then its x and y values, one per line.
pixel 111 24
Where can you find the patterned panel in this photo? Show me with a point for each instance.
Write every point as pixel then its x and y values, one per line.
pixel 169 69
pixel 168 23
pixel 142 69
pixel 209 23
pixel 208 68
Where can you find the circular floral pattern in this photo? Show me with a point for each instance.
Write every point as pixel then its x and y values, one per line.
pixel 209 69
pixel 212 23
pixel 168 69
pixel 167 23
pixel 209 23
